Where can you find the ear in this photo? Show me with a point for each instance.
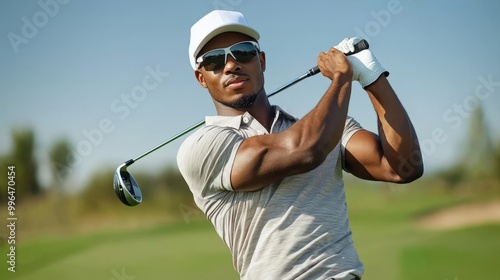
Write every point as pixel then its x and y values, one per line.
pixel 262 58
pixel 200 78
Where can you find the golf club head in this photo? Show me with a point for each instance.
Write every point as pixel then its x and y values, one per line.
pixel 126 187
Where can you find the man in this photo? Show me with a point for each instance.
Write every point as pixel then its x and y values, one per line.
pixel 271 184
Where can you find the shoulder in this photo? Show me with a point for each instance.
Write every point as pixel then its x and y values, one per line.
pixel 351 123
pixel 208 142
pixel 351 127
pixel 209 135
pixel 205 158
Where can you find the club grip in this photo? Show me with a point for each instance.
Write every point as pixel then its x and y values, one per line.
pixel 359 46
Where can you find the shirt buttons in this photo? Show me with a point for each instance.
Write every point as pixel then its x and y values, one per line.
pixel 246 120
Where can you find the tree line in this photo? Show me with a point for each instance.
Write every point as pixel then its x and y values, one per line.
pixel 478 158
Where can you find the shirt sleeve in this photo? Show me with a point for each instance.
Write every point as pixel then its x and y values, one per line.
pixel 351 127
pixel 205 159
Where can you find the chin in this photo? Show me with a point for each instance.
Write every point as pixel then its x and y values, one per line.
pixel 243 101
pixel 240 98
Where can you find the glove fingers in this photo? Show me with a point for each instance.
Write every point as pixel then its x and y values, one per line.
pixel 350 44
pixel 343 46
pixel 366 68
pixel 347 45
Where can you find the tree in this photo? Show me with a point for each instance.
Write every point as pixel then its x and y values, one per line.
pixel 4 164
pixel 173 180
pixel 98 194
pixel 479 156
pixel 477 160
pixel 23 158
pixel 61 160
pixel 497 160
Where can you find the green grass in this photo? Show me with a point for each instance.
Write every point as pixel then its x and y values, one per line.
pixel 470 253
pixel 389 244
pixel 180 251
pixel 392 247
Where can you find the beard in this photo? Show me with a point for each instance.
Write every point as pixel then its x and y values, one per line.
pixel 244 101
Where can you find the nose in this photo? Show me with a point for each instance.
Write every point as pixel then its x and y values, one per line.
pixel 231 64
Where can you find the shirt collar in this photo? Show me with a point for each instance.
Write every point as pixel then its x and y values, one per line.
pixel 244 119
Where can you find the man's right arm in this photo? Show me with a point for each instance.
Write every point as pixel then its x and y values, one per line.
pixel 262 160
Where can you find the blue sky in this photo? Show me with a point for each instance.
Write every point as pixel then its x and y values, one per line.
pixel 78 69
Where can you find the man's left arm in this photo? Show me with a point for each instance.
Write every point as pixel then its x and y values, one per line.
pixel 394 154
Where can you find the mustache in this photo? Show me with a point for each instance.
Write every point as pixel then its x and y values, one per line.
pixel 235 78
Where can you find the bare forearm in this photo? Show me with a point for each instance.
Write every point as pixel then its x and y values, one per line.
pixel 321 129
pixel 313 137
pixel 307 143
pixel 264 159
pixel 296 150
pixel 397 134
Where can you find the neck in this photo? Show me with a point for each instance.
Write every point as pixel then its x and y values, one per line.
pixel 261 110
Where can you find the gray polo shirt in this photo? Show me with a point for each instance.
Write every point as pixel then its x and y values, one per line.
pixel 293 229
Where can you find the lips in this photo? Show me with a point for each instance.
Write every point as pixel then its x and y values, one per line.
pixel 236 82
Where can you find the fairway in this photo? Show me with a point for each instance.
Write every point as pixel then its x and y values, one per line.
pixel 390 243
pixel 182 251
pixel 141 138
pixel 461 254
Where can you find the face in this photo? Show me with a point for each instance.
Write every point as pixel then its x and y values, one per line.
pixel 236 84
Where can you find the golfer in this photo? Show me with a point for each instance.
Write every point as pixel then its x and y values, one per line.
pixel 270 183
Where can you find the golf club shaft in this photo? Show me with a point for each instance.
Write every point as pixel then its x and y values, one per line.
pixel 130 161
pixel 362 45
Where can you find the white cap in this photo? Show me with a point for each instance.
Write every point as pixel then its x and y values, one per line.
pixel 213 24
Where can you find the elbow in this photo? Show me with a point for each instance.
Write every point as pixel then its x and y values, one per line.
pixel 313 157
pixel 307 153
pixel 304 158
pixel 409 172
pixel 313 160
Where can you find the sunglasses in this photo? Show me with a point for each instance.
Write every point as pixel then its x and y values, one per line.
pixel 216 59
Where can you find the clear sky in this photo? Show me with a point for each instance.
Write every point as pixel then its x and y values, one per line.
pixel 114 76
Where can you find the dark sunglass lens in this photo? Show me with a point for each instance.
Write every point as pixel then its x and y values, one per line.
pixel 213 60
pixel 244 52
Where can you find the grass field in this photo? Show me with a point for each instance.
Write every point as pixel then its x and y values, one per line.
pixel 172 252
pixel 389 243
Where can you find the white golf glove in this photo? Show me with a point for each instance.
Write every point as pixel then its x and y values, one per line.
pixel 366 68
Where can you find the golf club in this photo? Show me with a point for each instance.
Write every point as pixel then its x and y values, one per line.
pixel 126 187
